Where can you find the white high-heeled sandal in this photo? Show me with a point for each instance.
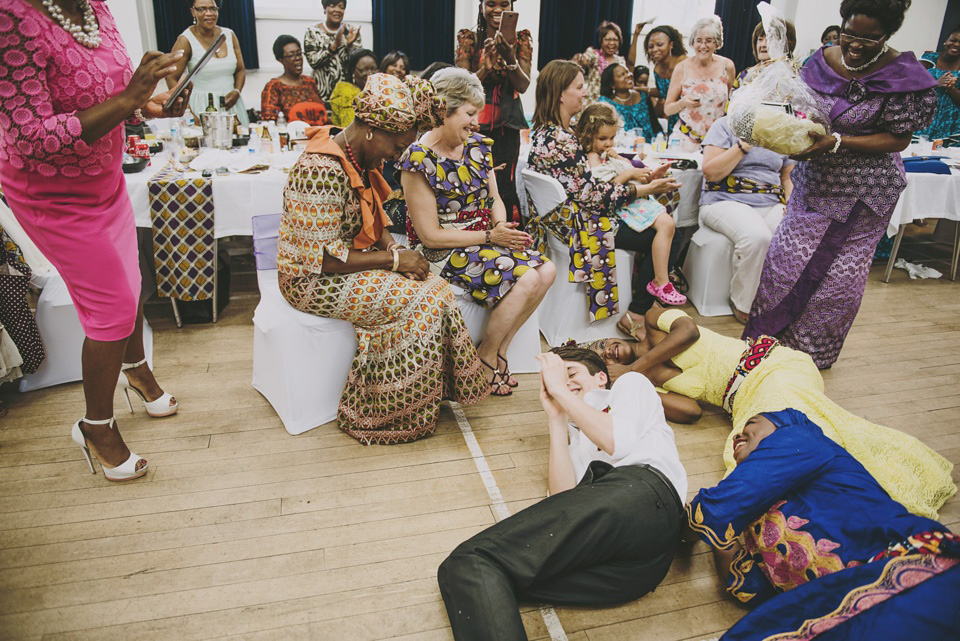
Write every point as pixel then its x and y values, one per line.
pixel 158 408
pixel 126 471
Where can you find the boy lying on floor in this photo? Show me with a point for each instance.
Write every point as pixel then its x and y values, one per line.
pixel 607 539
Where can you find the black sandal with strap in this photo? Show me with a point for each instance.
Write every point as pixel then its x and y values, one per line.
pixel 505 374
pixel 496 381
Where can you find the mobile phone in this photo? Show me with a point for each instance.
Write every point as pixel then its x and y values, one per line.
pixel 222 171
pixel 508 25
pixel 188 78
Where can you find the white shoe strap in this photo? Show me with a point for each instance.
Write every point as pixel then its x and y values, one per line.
pixel 127 366
pixel 107 421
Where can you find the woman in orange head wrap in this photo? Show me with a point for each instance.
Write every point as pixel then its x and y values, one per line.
pixel 336 259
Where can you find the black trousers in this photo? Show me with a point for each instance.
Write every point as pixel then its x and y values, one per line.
pixel 609 540
pixel 506 151
pixel 640 242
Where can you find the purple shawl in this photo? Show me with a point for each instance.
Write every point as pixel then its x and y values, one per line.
pixel 903 75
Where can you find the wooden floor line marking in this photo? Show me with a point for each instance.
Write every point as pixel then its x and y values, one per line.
pixel 500 509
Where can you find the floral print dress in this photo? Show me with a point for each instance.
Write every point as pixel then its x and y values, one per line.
pixel 414 349
pixel 488 272
pixel 586 222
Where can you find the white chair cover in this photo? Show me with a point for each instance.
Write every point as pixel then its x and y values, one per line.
pixel 709 270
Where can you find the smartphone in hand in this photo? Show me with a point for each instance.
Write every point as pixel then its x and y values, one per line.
pixel 508 26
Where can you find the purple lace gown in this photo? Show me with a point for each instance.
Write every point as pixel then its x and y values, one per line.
pixel 817 266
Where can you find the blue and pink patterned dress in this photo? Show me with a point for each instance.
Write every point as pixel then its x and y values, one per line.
pixel 464 203
pixel 825 552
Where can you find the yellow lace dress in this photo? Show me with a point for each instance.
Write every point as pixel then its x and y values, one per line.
pixel 912 473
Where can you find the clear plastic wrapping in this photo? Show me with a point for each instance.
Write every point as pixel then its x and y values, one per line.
pixel 776 109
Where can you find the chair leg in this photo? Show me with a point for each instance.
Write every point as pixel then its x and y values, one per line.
pixel 176 312
pixel 216 269
pixel 893 253
pixel 956 251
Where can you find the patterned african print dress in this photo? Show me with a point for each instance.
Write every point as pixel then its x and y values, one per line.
pixel 816 269
pixel 414 348
pixel 824 552
pixel 488 272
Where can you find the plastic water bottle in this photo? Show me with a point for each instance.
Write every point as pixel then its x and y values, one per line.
pixel 675 140
pixel 282 136
pixel 254 145
pixel 659 144
pixel 176 141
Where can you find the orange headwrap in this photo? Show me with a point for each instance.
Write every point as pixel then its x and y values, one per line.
pixel 371 198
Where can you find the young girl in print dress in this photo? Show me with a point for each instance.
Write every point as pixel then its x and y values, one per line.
pixel 596 130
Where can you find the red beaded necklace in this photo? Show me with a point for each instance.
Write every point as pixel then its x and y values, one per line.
pixel 353 159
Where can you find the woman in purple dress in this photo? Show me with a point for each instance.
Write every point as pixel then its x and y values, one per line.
pixel 846 185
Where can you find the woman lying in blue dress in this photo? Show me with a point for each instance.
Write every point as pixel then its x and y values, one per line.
pixel 812 541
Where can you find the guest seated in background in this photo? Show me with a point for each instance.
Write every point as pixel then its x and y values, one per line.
pixel 760 53
pixel 361 65
pixel 747 378
pixel 830 35
pixel 433 68
pixel 504 69
pixel 745 189
pixel 634 107
pixel 946 71
pixel 608 531
pixel 335 259
pixel 224 75
pixel 597 129
pixel 665 50
pixel 585 222
pixel 396 63
pixel 458 221
pixel 804 534
pixel 700 86
pixel 292 88
pixel 641 79
pixel 328 45
pixel 594 61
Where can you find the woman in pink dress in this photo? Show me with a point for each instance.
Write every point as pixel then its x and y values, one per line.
pixel 66 88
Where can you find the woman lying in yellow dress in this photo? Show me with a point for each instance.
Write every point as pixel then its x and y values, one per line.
pixel 747 378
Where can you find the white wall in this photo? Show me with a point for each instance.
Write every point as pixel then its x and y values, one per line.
pixel 135 22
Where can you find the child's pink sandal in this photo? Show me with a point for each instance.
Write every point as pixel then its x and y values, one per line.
pixel 666 294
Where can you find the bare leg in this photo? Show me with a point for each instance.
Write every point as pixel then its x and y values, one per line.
pixel 660 248
pixel 101 368
pixel 505 313
pixel 141 377
pixel 547 272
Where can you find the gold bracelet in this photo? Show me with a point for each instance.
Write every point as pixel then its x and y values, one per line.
pixel 396 259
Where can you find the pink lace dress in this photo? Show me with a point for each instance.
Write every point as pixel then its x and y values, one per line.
pixel 69 196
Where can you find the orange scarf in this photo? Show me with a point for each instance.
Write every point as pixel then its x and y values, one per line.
pixel 371 198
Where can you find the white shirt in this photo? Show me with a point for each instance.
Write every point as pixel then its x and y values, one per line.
pixel 640 432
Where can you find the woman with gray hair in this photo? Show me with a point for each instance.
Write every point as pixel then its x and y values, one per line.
pixel 700 86
pixel 457 220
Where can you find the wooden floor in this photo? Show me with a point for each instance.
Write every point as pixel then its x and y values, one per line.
pixel 241 531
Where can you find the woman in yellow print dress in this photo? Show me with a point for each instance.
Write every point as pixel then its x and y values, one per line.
pixel 459 222
pixel 336 259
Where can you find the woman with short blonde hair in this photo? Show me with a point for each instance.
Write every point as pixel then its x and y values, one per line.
pixel 700 86
pixel 457 219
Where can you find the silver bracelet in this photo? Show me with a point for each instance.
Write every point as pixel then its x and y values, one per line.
pixel 836 147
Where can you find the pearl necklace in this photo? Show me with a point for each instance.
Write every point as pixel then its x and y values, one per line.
pixel 89 34
pixel 886 48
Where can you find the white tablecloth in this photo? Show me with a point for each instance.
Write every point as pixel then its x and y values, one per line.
pixel 927 196
pixel 236 198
